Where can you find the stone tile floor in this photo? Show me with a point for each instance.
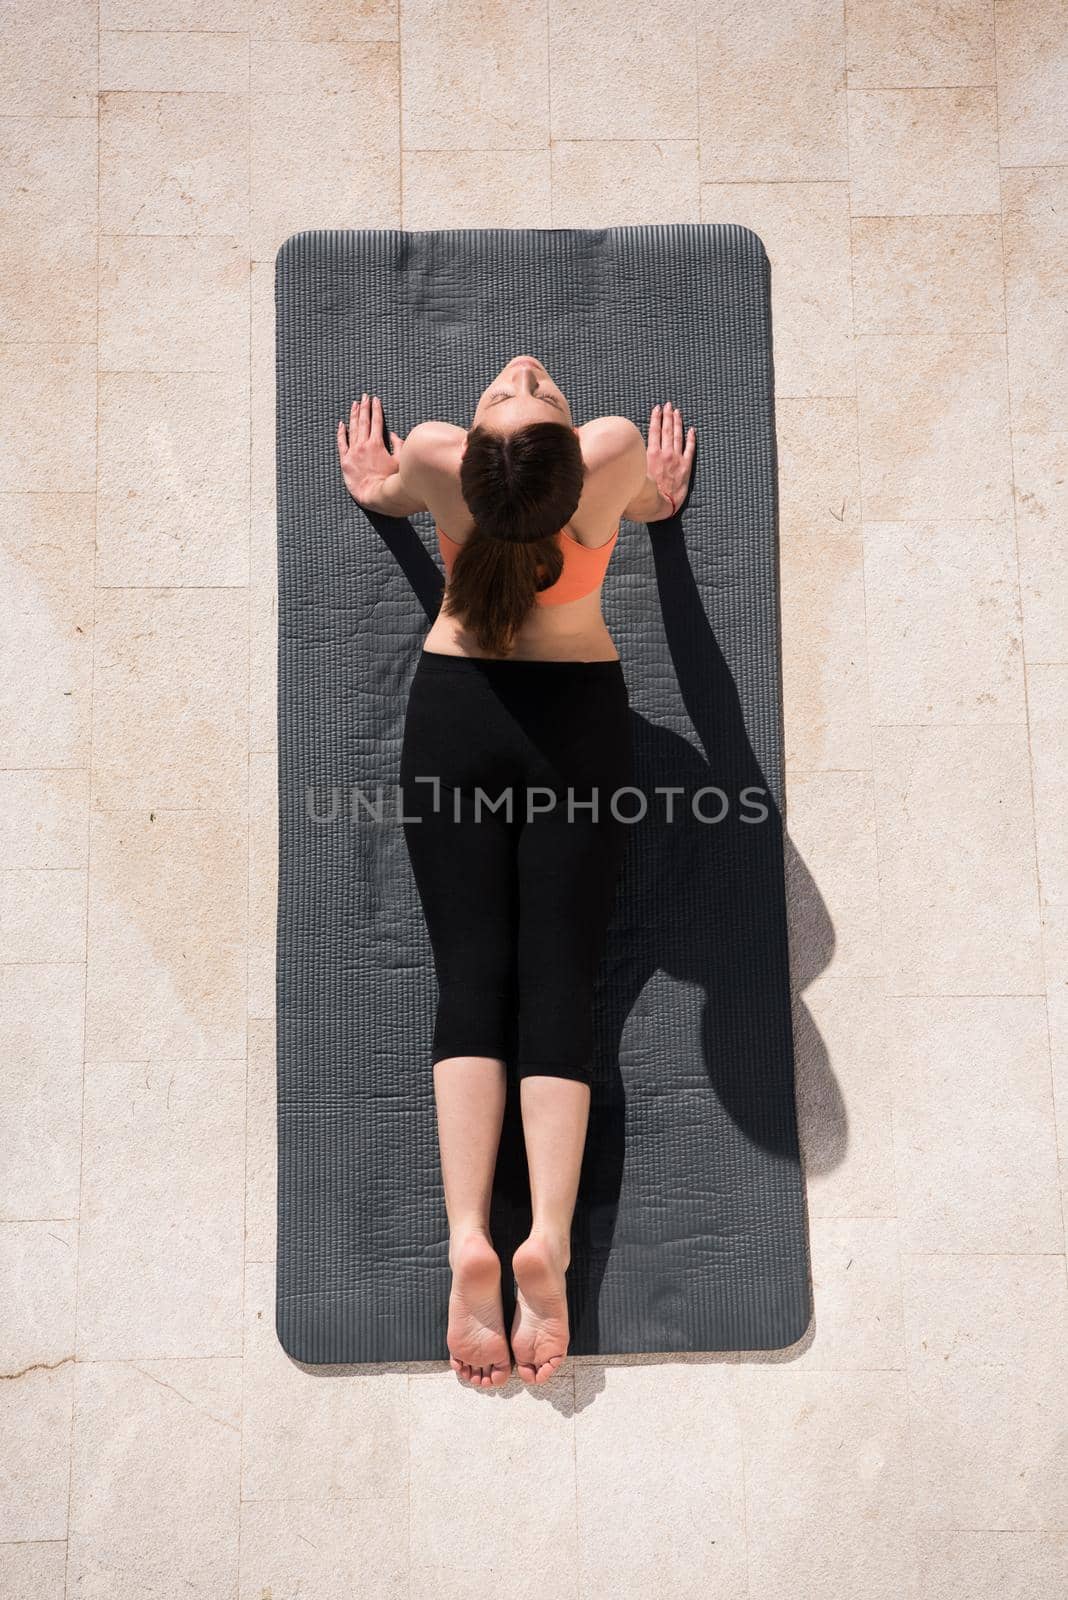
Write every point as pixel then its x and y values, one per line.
pixel 905 163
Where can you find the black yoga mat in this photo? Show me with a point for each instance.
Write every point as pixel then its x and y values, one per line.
pixel 689 1232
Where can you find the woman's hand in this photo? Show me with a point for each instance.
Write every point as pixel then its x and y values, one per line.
pixel 668 461
pixel 365 461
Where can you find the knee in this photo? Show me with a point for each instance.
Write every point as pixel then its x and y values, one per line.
pixel 569 1068
pixel 475 1017
pixel 556 1030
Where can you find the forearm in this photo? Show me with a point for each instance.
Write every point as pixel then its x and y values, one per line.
pixel 648 505
pixel 392 499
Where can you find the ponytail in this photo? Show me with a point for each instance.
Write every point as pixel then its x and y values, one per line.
pixel 521 489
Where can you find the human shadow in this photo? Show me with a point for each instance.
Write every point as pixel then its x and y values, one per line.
pixel 701 906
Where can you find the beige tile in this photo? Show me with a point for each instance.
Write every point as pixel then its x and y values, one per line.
pixel 312 1433
pixel 46 618
pixel 167 936
pixel 828 1487
pixel 988 1390
pixel 174 163
pixel 623 184
pixel 772 88
pixel 923 152
pixel 1036 285
pixel 965 1108
pixel 170 720
pixel 934 428
pixel 1032 81
pixel 264 563
pixel 928 275
pixel 1057 1014
pixel 452 189
pixel 33 1571
pixel 644 1527
pixel 47 287
pixel 186 522
pixel 48 168
pixel 1041 484
pixel 474 77
pixel 48 60
pixel 825 667
pixel 956 861
pixel 1047 704
pixel 308 168
pixel 42 1008
pixel 856 1282
pixel 613 81
pixel 841 1042
pixel 333 1549
pixel 500 1445
pixel 263 707
pixel 38 1269
pixel 992 1566
pixel 41 384
pixel 322 19
pixel 262 882
pixel 944 626
pixel 819 475
pixel 43 817
pixel 35 1424
pixel 831 821
pixel 176 63
pixel 173 305
pixel 155 1478
pixel 805 229
pixel 262 454
pixel 218 16
pixel 162 1232
pixel 261 1149
pixel 896 44
pixel 42 915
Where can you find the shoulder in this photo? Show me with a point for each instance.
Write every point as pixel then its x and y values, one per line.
pixel 614 452
pixel 430 451
pixel 608 440
pixel 431 441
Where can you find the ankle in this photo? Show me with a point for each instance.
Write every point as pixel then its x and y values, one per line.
pixel 459 1236
pixel 555 1241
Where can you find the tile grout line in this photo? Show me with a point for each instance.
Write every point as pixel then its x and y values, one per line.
pixel 1023 645
pixel 88 842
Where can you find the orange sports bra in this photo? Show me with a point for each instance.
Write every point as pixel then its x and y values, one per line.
pixel 583 571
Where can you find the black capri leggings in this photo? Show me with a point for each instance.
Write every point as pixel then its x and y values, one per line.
pixel 516 871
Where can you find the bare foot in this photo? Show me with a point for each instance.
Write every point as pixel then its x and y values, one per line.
pixel 540 1331
pixel 478 1350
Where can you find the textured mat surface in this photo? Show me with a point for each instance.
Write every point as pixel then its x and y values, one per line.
pixel 690 1229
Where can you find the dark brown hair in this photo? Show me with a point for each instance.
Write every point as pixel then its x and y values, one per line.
pixel 521 488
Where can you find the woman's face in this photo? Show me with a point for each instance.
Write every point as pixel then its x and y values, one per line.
pixel 521 392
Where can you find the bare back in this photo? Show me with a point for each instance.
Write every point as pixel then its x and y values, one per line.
pixel 574 630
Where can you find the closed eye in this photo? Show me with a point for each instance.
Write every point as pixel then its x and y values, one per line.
pixel 502 394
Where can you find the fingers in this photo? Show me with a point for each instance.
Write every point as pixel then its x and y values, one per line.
pixel 682 440
pixel 342 441
pixel 654 428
